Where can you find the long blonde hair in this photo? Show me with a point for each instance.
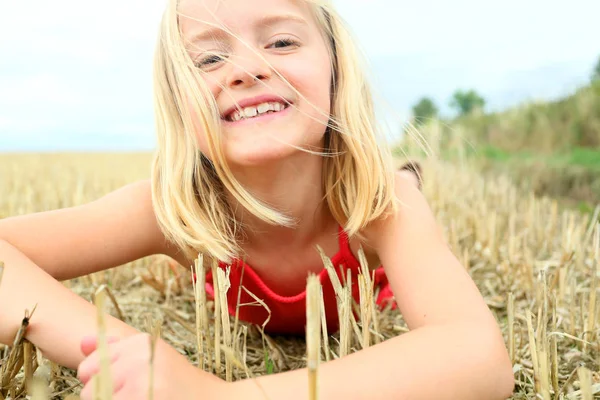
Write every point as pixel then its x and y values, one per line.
pixel 188 188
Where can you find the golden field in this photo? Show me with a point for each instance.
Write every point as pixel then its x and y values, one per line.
pixel 535 263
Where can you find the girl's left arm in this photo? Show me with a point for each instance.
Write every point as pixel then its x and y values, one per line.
pixel 454 349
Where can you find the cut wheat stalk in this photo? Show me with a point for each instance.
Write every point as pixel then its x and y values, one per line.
pixel 554 356
pixel 585 383
pixel 324 328
pixel 591 317
pixel 345 311
pixel 113 300
pixel 344 304
pixel 11 367
pixel 236 322
pixel 572 305
pixel 217 318
pixel 313 334
pixel 222 280
pixel 202 331
pixel 365 287
pixel 511 326
pixel 533 351
pixel 154 329
pixel 102 382
pixel 593 225
pixel 28 355
pixel 544 375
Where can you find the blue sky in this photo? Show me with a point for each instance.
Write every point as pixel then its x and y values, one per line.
pixel 76 75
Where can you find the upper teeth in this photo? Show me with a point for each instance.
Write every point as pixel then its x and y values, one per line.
pixel 250 112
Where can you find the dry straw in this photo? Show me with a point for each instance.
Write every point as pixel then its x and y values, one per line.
pixel 535 262
pixel 102 382
pixel 202 332
pixel 314 299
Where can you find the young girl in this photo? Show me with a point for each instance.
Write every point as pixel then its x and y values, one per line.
pixel 266 149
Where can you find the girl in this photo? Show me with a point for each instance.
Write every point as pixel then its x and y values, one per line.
pixel 266 148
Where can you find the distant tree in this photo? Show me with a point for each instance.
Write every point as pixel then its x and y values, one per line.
pixel 466 102
pixel 424 110
pixel 596 73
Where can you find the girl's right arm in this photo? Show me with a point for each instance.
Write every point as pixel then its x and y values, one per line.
pixel 111 231
pixel 40 248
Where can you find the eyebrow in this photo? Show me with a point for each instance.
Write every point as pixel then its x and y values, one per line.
pixel 218 33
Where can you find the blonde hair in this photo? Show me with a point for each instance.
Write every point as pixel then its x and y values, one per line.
pixel 188 188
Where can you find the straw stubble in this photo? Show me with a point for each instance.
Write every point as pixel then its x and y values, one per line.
pixel 102 382
pixel 503 254
pixel 313 334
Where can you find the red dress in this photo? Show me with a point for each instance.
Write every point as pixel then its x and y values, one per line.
pixel 288 313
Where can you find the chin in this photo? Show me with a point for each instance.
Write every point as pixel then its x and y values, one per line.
pixel 262 150
pixel 255 155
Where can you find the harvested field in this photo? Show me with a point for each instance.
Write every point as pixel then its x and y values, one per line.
pixel 536 265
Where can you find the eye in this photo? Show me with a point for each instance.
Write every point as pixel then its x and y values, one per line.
pixel 210 60
pixel 284 42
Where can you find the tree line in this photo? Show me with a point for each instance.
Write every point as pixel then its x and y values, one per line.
pixel 464 102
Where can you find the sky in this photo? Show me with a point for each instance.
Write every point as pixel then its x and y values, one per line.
pixel 76 75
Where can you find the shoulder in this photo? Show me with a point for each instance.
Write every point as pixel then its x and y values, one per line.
pixel 413 219
pixel 412 224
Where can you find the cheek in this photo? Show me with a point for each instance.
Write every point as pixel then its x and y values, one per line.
pixel 314 84
pixel 199 133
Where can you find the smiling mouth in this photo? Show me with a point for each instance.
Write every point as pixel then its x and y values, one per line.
pixel 256 111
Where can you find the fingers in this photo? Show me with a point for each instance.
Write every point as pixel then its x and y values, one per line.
pixel 91 365
pixel 90 343
pixel 117 372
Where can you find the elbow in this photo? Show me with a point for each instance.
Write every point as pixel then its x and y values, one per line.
pixel 505 380
pixel 506 385
pixel 498 371
pixel 486 363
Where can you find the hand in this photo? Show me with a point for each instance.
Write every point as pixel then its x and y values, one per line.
pixel 174 376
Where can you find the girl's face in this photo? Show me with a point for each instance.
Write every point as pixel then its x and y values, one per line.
pixel 261 115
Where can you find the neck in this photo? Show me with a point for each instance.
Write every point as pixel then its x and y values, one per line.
pixel 293 186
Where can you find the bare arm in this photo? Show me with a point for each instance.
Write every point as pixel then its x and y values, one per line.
pixel 111 231
pixel 454 350
pixel 61 318
pixel 39 248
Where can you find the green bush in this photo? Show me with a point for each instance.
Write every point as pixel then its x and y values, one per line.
pixel 541 127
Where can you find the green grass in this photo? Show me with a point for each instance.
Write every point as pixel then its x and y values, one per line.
pixel 586 157
pixel 571 176
pixel 548 127
pixel 578 156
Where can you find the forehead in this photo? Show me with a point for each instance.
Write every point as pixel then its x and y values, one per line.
pixel 236 15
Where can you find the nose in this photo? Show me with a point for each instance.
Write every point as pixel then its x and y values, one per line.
pixel 247 68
